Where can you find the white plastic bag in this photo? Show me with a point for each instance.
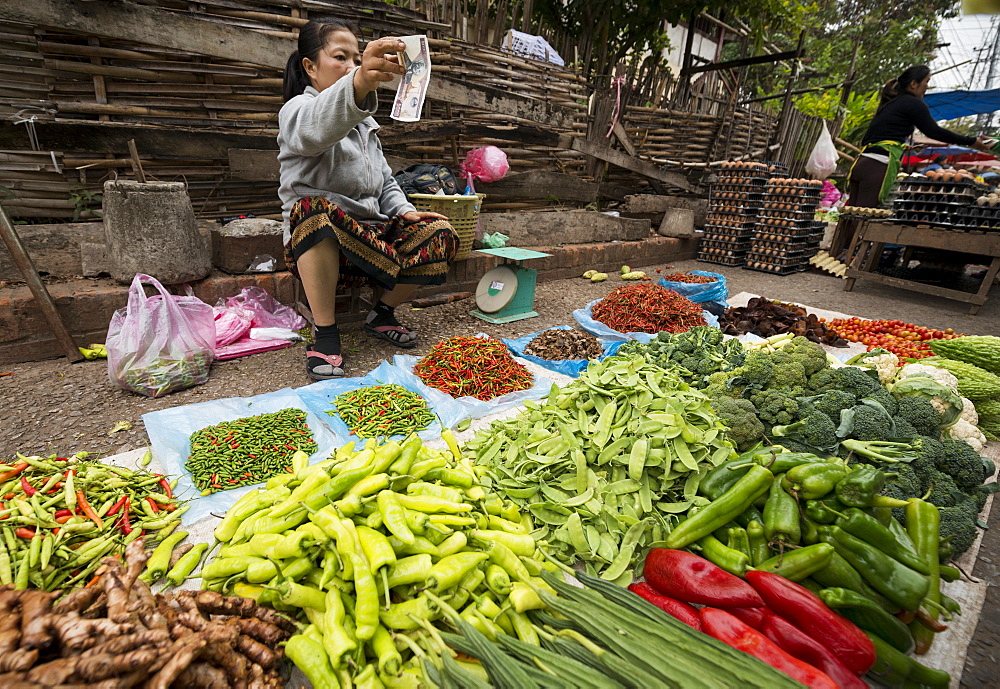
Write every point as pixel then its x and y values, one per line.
pixel 823 159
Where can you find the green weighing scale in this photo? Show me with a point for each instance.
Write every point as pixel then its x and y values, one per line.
pixel 507 293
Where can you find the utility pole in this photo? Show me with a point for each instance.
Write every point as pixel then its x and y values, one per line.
pixel 985 120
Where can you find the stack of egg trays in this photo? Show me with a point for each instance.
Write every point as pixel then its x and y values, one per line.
pixel 786 235
pixel 733 203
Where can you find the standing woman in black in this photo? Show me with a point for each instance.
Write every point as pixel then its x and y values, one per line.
pixel 902 109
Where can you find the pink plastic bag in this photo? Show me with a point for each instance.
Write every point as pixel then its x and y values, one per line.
pixel 160 344
pixel 263 310
pixel 230 325
pixel 487 164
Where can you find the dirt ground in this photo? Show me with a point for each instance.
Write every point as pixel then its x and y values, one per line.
pixel 57 407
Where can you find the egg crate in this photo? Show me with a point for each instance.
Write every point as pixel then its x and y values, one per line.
pixel 729 233
pixel 749 181
pixel 984 212
pixel 740 196
pixel 776 269
pixel 789 215
pixel 798 231
pixel 734 245
pixel 781 224
pixel 719 189
pixel 935 198
pixel 776 168
pixel 747 210
pixel 720 261
pixel 767 253
pixel 797 201
pixel 810 185
pixel 928 206
pixel 726 216
pixel 744 167
pixel 778 238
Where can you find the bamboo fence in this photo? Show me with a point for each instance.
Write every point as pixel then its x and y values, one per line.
pixel 63 77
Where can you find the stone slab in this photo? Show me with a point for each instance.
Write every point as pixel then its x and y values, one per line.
pixel 54 249
pixel 93 259
pixel 653 206
pixel 564 227
pixel 237 245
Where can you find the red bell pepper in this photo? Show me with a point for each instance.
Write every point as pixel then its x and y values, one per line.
pixel 805 610
pixel 751 616
pixel 808 650
pixel 675 608
pixel 732 632
pixel 692 579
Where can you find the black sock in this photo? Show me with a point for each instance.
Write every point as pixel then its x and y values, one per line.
pixel 327 339
pixel 382 314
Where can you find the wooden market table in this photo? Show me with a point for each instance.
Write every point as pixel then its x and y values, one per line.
pixel 873 235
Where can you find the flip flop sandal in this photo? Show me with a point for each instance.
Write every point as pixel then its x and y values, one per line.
pixel 382 332
pixel 334 361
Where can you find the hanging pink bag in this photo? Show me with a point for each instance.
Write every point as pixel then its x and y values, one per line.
pixel 160 344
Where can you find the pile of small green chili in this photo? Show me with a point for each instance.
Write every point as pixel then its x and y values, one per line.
pixel 59 516
pixel 248 450
pixel 382 410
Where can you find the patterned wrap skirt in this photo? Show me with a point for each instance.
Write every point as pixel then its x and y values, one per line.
pixel 380 253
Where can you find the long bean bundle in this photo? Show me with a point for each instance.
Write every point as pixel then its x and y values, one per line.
pixel 479 367
pixel 247 450
pixel 383 410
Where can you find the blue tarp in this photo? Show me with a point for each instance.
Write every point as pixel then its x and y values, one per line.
pixel 948 105
pixel 932 151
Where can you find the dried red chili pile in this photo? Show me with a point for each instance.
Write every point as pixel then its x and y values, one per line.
pixel 687 277
pixel 479 367
pixel 647 308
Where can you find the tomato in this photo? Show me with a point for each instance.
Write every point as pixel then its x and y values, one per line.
pixel 905 340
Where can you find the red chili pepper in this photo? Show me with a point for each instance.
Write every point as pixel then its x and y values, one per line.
pixel 751 616
pixel 731 631
pixel 62 513
pixel 24 532
pixel 28 488
pixel 17 469
pixel 805 610
pixel 123 521
pixel 692 579
pixel 117 506
pixel 62 459
pixel 929 622
pixel 153 505
pixel 648 309
pixel 675 608
pixel 63 519
pixel 802 646
pixel 165 484
pixel 479 367
pixel 906 616
pixel 3 506
pixel 81 500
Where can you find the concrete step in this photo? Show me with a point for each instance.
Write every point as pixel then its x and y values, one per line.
pixel 87 304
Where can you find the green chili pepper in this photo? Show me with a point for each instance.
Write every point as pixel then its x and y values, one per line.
pixel 452 544
pixel 860 486
pixel 814 480
pixel 390 662
pixel 721 511
pixel 336 640
pixel 824 511
pixel 897 670
pixel 729 559
pixel 447 572
pixel 781 517
pixel 869 530
pixel 840 574
pixel 394 516
pixel 892 579
pixel 923 527
pixel 186 564
pixel 798 564
pixel 737 539
pixel 869 616
pixel 159 561
pixel 310 657
pixel 403 615
pixel 759 550
pixel 783 462
pixel 723 477
pixel 410 570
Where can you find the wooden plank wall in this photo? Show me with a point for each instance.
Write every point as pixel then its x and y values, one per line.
pixel 60 77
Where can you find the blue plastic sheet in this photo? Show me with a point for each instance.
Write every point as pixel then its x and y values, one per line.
pixel 319 398
pixel 586 320
pixel 476 408
pixel 169 432
pixel 711 295
pixel 568 367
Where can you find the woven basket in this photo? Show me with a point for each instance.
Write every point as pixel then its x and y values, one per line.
pixel 462 212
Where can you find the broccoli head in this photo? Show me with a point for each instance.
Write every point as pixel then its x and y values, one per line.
pixel 774 407
pixel 882 396
pixel 942 490
pixel 757 369
pixel 740 417
pixel 811 355
pixel 859 381
pixel 901 487
pixel 958 528
pixel 788 371
pixel 963 464
pixel 832 402
pixel 920 413
pixel 822 380
pixel 866 422
pixel 815 430
pixel 904 429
